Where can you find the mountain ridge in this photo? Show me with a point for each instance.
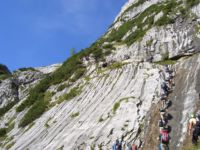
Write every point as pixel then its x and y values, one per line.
pixel 108 90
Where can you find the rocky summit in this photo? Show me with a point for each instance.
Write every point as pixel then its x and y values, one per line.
pixel 112 89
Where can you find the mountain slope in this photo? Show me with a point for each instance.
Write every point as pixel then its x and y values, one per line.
pixel 111 89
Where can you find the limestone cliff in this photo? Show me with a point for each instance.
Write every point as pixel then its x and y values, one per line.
pixel 111 89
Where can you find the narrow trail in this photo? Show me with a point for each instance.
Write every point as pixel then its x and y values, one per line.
pixel 175 110
pixel 154 116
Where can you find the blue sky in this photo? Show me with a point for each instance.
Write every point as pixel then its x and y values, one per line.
pixel 42 32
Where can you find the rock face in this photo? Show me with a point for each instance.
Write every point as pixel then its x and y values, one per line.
pixel 132 87
pixel 8 92
pixel 117 97
pixel 185 97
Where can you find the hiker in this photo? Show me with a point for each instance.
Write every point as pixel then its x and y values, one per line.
pixel 163 114
pixel 129 146
pixel 169 70
pixel 164 139
pixel 117 145
pixel 165 88
pixel 192 123
pixel 134 147
pixel 162 124
pixel 166 67
pixel 196 133
pixel 163 100
pixel 198 116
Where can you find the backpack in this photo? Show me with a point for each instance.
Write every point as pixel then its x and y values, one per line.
pixel 134 147
pixel 198 117
pixel 164 137
pixel 197 128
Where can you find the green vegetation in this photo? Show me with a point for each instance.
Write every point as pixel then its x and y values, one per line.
pixel 197 28
pixel 140 23
pixel 7 108
pixel 27 69
pixel 116 106
pixel 75 115
pixel 33 113
pixel 3 132
pixel 62 87
pixel 61 148
pixel 68 96
pixel 10 126
pixel 4 72
pixel 139 2
pixel 191 3
pixel 71 68
pixel 47 123
pixel 10 145
pixel 166 62
pixel 47 96
pixel 191 147
pixel 116 65
pixel 79 73
pixel 101 119
pixel 149 43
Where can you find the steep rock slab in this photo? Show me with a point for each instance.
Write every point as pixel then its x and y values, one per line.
pixel 97 124
pixel 184 98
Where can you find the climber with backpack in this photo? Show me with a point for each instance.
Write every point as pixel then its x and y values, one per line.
pixel 196 133
pixel 165 88
pixel 163 100
pixel 192 123
pixel 198 116
pixel 164 139
pixel 117 145
pixel 162 124
pixel 133 147
pixel 163 114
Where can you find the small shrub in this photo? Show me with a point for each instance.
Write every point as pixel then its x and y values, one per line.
pixel 47 96
pixel 108 46
pixel 101 119
pixel 166 62
pixel 149 43
pixel 116 65
pixel 191 3
pixel 68 96
pixel 75 115
pixel 10 127
pixel 3 132
pixel 62 87
pixel 47 123
pixel 108 52
pixel 78 74
pixel 139 2
pixel 116 106
pixel 7 108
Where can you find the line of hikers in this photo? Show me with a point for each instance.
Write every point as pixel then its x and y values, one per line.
pixel 166 88
pixel 164 130
pixel 118 146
